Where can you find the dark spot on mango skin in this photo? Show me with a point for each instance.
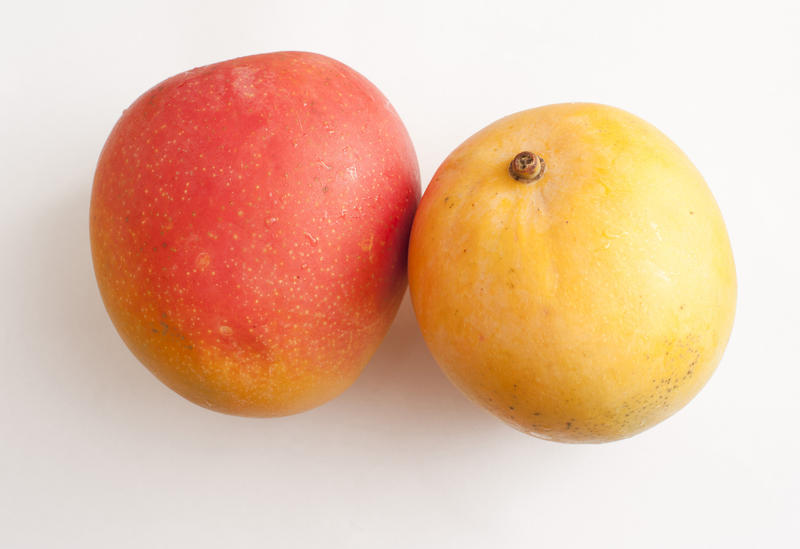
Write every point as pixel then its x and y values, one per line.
pixel 645 407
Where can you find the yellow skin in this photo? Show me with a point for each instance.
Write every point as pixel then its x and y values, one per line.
pixel 585 306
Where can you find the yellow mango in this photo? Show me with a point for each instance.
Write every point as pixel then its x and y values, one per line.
pixel 582 292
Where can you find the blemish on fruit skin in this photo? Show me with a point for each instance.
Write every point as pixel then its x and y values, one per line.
pixel 202 260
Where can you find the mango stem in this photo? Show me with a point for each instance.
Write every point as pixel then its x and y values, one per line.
pixel 526 167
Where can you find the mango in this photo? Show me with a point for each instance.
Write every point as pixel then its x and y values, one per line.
pixel 249 230
pixel 571 272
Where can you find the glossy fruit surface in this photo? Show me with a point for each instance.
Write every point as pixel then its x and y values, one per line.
pixel 586 303
pixel 249 229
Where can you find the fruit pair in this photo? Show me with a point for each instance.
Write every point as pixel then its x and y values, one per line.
pixel 250 227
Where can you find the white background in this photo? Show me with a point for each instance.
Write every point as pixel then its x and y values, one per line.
pixel 94 452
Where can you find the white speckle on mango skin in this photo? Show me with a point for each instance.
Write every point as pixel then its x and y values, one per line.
pixel 218 209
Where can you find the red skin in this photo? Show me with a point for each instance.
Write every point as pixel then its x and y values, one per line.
pixel 249 227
